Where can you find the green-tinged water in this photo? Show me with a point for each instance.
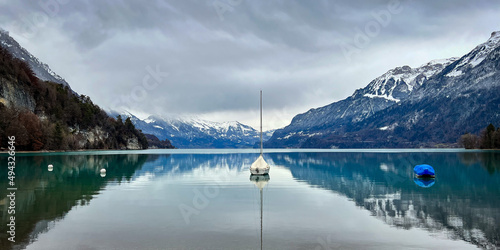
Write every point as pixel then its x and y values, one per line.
pixel 175 199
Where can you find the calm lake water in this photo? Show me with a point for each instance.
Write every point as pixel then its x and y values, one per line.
pixel 199 199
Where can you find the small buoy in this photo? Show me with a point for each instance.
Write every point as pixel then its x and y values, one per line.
pixel 103 172
pixel 50 167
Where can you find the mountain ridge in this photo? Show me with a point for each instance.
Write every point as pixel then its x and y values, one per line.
pixel 386 121
pixel 40 69
pixel 193 132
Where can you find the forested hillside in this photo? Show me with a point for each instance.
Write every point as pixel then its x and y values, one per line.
pixel 488 139
pixel 47 116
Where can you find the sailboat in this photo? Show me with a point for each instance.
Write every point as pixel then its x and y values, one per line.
pixel 260 181
pixel 260 166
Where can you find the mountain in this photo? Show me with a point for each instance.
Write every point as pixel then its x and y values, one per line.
pixel 40 69
pixel 45 115
pixel 391 88
pixel 192 132
pixel 422 107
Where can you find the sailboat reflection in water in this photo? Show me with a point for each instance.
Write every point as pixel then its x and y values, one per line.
pixel 260 166
pixel 260 181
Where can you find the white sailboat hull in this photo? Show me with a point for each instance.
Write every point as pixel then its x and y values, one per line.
pixel 259 171
pixel 259 167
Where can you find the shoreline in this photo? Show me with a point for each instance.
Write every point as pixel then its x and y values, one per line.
pixel 252 150
pixel 2 151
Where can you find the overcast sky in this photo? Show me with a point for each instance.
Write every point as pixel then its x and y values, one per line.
pixel 211 58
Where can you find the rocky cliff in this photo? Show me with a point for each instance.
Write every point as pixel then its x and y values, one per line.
pixel 13 94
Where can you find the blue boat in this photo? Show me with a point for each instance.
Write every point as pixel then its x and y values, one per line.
pixel 424 170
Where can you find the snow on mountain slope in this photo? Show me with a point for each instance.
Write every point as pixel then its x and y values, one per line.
pixel 407 105
pixel 476 56
pixel 398 83
pixel 384 91
pixel 192 132
pixel 476 70
pixel 217 129
pixel 40 69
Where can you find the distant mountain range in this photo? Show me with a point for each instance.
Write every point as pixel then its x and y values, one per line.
pixel 423 107
pixel 41 70
pixel 192 132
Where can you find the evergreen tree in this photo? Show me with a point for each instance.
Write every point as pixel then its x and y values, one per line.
pixel 119 120
pixel 487 138
pixel 129 126
pixel 58 136
pixel 496 139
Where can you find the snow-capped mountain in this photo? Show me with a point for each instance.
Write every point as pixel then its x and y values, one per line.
pixel 408 106
pixel 382 92
pixel 192 132
pixel 397 84
pixel 40 69
pixel 476 56
pixel 477 69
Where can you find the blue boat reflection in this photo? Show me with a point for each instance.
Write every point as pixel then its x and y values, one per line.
pixel 424 182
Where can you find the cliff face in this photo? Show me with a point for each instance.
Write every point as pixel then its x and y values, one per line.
pixel 91 138
pixel 14 95
pixel 133 143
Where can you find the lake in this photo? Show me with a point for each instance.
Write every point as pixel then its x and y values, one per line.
pixel 206 199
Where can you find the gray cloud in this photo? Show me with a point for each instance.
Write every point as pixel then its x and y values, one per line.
pixel 290 49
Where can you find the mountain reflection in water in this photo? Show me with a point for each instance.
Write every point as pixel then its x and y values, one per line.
pixel 463 203
pixel 45 196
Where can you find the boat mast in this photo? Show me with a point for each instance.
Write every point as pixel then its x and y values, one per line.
pixel 261 219
pixel 261 122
